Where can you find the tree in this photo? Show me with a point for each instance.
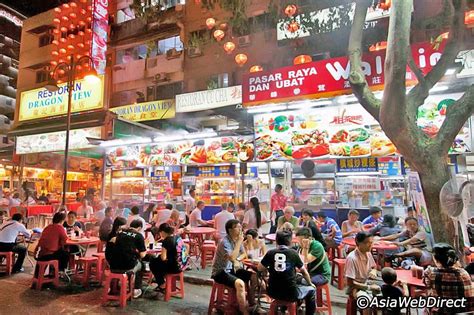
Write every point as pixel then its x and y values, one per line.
pixel 397 111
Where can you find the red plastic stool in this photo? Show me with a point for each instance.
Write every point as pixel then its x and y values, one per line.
pixel 290 306
pixel 8 265
pixel 321 305
pixel 101 246
pixel 223 298
pixel 100 267
pixel 334 253
pixel 209 242
pixel 171 287
pixel 85 264
pixel 341 266
pixel 39 277
pixel 207 254
pixel 118 282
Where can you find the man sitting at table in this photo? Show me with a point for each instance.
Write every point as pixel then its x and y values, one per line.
pixel 173 257
pixel 106 225
pixel 227 267
pixel 221 219
pixel 84 210
pixel 374 218
pixel 314 256
pixel 282 263
pixel 8 234
pixel 71 224
pixel 52 241
pixel 162 215
pixel 125 251
pixel 288 217
pixel 136 216
pixel 331 232
pixel 416 241
pixel 360 267
pixel 195 219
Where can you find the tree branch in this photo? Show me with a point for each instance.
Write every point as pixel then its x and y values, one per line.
pixel 357 78
pixel 456 116
pixel 419 75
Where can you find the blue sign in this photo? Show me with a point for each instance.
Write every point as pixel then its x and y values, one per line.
pixel 355 165
pixel 214 171
pixel 389 166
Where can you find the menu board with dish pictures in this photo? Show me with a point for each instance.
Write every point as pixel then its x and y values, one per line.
pixel 342 131
pixel 190 152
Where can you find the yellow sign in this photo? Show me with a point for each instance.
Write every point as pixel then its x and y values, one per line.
pixel 41 103
pixel 155 110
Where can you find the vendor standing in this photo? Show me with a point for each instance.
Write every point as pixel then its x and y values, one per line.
pixel 277 204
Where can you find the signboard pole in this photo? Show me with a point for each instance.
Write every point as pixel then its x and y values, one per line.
pixel 70 86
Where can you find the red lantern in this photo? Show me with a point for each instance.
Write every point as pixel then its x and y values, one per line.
pixel 256 68
pixel 55 53
pixel 82 23
pixel 210 23
pixel 53 63
pixel 57 10
pixel 224 26
pixel 72 15
pixel 73 4
pixel 62 40
pixel 66 6
pixel 55 42
pixel 241 59
pixel 62 51
pixel 301 59
pixel 229 47
pixel 56 31
pixel 56 20
pixel 219 35
pixel 290 10
pixel 469 17
pixel 293 26
pixel 70 47
pixel 80 45
pixel 63 29
pixel 65 18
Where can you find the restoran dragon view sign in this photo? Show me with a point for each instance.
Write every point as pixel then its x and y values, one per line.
pixel 326 78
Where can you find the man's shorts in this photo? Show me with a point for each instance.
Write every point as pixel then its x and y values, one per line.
pixel 229 278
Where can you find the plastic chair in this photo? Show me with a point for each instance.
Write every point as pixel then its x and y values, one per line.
pixel 223 298
pixel 290 306
pixel 207 254
pixel 321 304
pixel 8 265
pixel 340 263
pixel 100 267
pixel 171 288
pixel 121 282
pixel 39 278
pixel 85 264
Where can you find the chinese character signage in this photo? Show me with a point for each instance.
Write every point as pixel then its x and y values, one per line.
pixel 99 35
pixel 359 183
pixel 326 78
pixel 147 111
pixel 215 171
pixel 127 173
pixel 209 99
pixel 355 165
pixel 41 103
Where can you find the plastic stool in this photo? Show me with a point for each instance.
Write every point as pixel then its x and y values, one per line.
pixel 100 267
pixel 209 242
pixel 334 253
pixel 113 282
pixel 101 246
pixel 207 254
pixel 321 305
pixel 39 277
pixel 85 264
pixel 290 306
pixel 8 266
pixel 223 298
pixel 341 266
pixel 171 288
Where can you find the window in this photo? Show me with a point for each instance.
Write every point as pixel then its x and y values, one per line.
pixel 45 39
pixel 125 14
pixel 169 43
pixel 163 92
pixel 42 76
pixel 218 81
pixel 130 54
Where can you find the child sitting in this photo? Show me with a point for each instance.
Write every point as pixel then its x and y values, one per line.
pixel 392 288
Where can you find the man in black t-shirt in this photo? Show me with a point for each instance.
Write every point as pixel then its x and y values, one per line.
pixel 282 263
pixel 124 252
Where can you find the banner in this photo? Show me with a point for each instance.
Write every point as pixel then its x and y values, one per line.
pixel 357 165
pixel 327 78
pixel 202 100
pixel 154 110
pixel 41 103
pixel 99 35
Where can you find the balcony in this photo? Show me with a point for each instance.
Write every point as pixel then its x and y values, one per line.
pixel 126 30
pixel 36 58
pixel 132 71
pixel 161 64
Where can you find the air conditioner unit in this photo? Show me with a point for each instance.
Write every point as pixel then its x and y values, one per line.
pixel 161 77
pixel 243 41
pixel 194 52
pixel 172 53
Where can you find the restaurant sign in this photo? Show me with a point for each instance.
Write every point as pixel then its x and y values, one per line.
pixel 356 165
pixel 56 141
pixel 203 100
pixel 327 78
pixel 41 103
pixel 154 110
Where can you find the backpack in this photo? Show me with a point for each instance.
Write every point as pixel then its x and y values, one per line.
pixel 183 255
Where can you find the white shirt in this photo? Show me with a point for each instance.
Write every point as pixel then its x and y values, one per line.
pixel 85 211
pixel 194 217
pixel 9 231
pixel 220 220
pixel 251 220
pixel 162 216
pixel 190 204
pixel 134 217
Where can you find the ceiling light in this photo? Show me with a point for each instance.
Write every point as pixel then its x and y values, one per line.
pixel 167 138
pixel 303 105
pixel 266 109
pixel 201 135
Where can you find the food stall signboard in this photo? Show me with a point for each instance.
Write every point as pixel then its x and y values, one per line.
pixel 154 110
pixel 127 173
pixel 353 165
pixel 358 183
pixel 209 99
pixel 215 171
pixel 41 103
pixel 326 78
pixel 56 141
pixel 389 165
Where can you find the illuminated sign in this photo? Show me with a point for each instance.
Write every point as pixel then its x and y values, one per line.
pixel 99 35
pixel 155 110
pixel 56 141
pixel 127 173
pixel 202 100
pixel 15 20
pixel 41 103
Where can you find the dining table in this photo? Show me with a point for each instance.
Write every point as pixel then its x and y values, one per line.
pixel 381 247
pixel 83 241
pixel 199 234
pixel 412 282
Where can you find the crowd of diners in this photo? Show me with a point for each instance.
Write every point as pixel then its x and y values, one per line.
pixel 292 270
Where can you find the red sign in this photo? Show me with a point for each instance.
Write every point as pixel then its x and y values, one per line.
pixel 326 78
pixel 99 35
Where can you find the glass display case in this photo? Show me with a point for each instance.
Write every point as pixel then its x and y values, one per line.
pixel 216 190
pixel 319 192
pixel 129 185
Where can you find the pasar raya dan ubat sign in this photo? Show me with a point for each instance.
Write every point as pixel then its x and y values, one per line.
pixel 327 78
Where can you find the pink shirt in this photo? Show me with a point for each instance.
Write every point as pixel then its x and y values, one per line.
pixel 359 265
pixel 278 201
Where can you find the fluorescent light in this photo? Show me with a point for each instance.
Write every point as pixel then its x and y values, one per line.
pixel 201 135
pixel 231 127
pixel 450 71
pixel 266 109
pixel 168 138
pixel 121 142
pixel 304 105
pixel 440 88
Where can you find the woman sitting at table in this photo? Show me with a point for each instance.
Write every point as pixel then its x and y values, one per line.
pixel 173 257
pixel 51 244
pixel 352 225
pixel 387 227
pixel 447 280
pixel 254 247
pixel 119 223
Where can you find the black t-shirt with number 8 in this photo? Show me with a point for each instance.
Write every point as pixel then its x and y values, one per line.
pixel 281 264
